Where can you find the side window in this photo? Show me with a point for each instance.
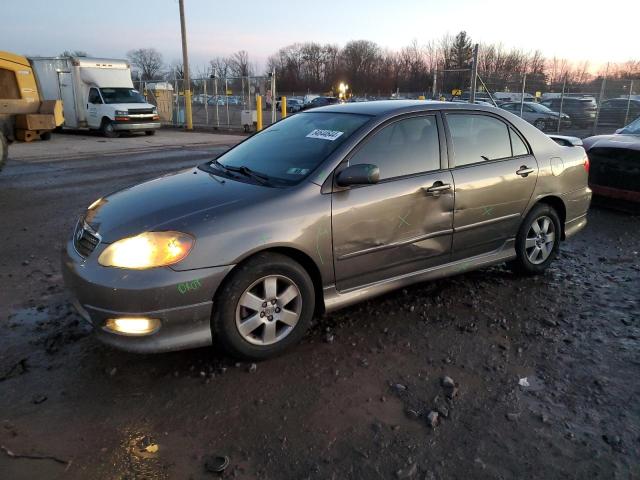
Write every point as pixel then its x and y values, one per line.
pixel 94 96
pixel 517 145
pixel 478 138
pixel 402 148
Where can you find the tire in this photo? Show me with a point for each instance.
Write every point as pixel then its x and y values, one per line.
pixel 530 261
pixel 150 132
pixel 540 124
pixel 244 327
pixel 4 150
pixel 107 130
pixel 46 136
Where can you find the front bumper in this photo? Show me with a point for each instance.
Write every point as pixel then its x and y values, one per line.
pixel 182 301
pixel 136 125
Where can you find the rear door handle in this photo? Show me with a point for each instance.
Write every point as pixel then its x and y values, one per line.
pixel 437 188
pixel 524 171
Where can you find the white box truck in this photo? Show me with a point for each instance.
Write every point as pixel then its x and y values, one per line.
pixel 96 93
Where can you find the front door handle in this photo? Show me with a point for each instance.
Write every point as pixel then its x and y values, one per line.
pixel 437 188
pixel 524 171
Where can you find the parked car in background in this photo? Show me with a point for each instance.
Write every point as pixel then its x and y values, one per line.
pixel 201 99
pixel 615 163
pixel 321 102
pixel 319 211
pixel 538 115
pixel 294 104
pixel 581 110
pixel 618 111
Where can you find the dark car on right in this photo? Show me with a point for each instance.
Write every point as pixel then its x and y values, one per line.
pixel 581 110
pixel 321 102
pixel 615 163
pixel 619 111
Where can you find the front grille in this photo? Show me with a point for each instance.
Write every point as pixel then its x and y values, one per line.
pixel 84 240
pixel 136 111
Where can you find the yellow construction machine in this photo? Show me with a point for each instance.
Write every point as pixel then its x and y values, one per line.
pixel 23 116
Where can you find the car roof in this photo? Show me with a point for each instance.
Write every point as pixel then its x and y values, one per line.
pixel 384 107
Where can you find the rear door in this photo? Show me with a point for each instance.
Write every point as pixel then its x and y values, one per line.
pixel 401 224
pixel 67 95
pixel 494 174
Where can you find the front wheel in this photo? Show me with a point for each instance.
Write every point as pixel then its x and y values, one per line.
pixel 264 307
pixel 540 124
pixel 107 130
pixel 538 241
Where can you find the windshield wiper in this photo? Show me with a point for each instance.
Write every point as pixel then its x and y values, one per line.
pixel 247 172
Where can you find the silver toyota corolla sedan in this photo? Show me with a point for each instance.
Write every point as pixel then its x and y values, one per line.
pixel 321 210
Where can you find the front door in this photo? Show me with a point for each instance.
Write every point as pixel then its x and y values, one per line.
pixel 401 224
pixel 94 102
pixel 495 175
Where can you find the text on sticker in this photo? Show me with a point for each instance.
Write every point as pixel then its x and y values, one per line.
pixel 330 135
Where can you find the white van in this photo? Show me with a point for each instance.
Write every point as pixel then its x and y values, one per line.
pixel 97 93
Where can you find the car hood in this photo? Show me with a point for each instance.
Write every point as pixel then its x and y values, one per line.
pixel 171 202
pixel 631 142
pixel 127 106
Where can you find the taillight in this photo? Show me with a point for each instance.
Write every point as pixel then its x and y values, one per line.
pixel 586 164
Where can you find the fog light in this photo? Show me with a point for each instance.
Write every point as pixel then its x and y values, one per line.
pixel 132 325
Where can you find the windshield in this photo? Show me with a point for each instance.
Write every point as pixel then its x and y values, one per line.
pixel 540 108
pixel 121 95
pixel 633 128
pixel 291 149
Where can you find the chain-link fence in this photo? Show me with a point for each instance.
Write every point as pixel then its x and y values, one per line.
pixel 216 103
pixel 601 105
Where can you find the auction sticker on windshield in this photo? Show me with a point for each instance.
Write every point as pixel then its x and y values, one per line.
pixel 330 135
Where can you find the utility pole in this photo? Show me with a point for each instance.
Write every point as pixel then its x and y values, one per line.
pixel 185 68
pixel 524 83
pixel 600 99
pixel 474 75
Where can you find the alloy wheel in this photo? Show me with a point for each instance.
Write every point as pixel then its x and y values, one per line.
pixel 540 240
pixel 268 310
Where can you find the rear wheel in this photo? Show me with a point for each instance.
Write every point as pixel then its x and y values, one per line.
pixel 4 150
pixel 264 307
pixel 107 130
pixel 45 136
pixel 150 132
pixel 538 241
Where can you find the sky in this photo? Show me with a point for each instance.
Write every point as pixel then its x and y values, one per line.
pixel 577 30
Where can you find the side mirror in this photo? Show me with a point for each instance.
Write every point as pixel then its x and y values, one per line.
pixel 360 174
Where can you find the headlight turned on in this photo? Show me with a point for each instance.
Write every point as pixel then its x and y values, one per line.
pixel 147 250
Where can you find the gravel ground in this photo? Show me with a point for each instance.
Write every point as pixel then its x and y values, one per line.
pixel 483 375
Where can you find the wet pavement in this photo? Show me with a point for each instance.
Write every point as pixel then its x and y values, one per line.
pixel 483 375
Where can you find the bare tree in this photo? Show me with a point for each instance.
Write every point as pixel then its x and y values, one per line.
pixel 74 53
pixel 148 61
pixel 239 63
pixel 220 67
